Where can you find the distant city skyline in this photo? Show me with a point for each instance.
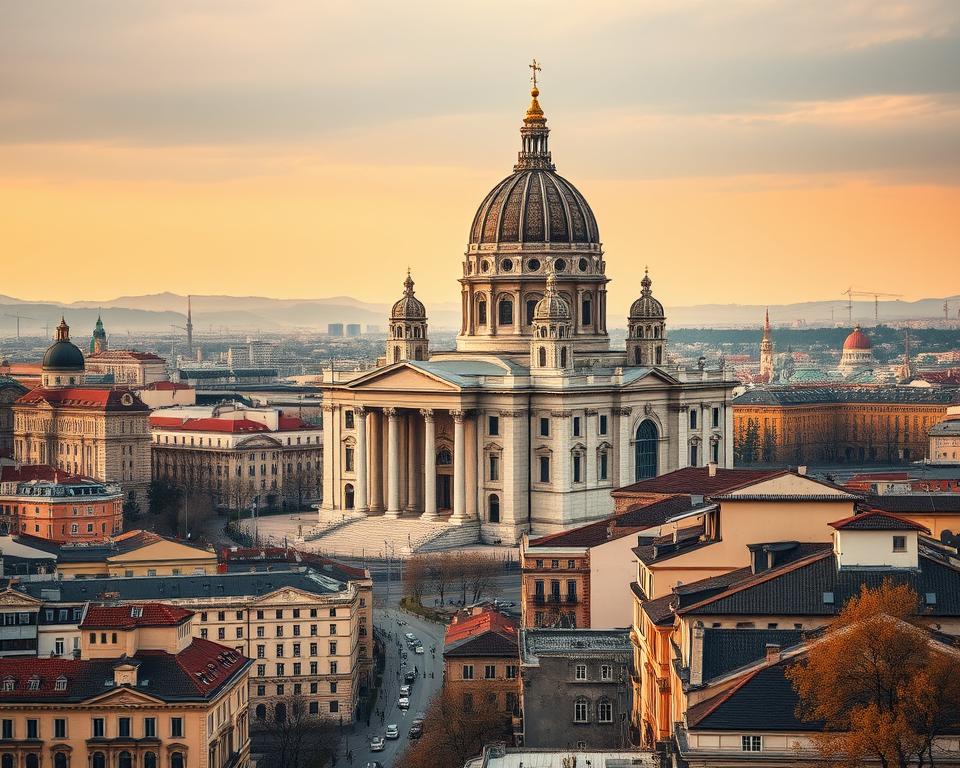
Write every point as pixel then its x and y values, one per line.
pixel 748 152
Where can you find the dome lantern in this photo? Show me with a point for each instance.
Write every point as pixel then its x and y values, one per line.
pixel 550 347
pixel 646 328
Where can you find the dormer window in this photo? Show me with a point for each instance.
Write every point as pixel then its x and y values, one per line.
pixel 61 684
pixel 9 684
pixel 136 612
pixel 34 684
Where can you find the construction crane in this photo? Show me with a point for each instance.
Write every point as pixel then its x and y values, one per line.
pixel 19 318
pixel 850 293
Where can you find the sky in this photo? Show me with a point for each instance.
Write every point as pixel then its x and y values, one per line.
pixel 748 151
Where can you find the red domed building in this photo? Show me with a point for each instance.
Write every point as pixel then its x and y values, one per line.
pixel 857 353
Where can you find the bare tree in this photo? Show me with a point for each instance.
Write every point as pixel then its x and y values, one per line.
pixel 481 571
pixel 416 577
pixel 293 737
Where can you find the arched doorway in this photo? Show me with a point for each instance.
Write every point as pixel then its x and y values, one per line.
pixel 494 508
pixel 444 478
pixel 348 496
pixel 646 450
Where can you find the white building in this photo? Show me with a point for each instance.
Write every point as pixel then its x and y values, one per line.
pixel 533 419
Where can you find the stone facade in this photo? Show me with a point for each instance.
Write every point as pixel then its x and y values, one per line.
pixel 10 391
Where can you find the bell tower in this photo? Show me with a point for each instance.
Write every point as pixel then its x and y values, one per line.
pixel 551 348
pixel 766 351
pixel 408 327
pixel 646 328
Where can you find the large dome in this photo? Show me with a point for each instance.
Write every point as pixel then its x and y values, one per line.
pixel 63 356
pixel 534 205
pixel 857 340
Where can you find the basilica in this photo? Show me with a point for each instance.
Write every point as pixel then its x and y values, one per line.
pixel 534 418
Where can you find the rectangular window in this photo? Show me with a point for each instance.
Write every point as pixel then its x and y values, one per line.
pixel 602 424
pixel 279 650
pixel 693 455
pixel 467 672
pixel 261 670
pixel 296 649
pixel 149 727
pixel 59 728
pixel 7 729
pixel 493 426
pixel 751 743
pixel 577 468
pixel 489 672
pixel 98 730
pixel 899 543
pixel 176 727
pixel 511 671
pixel 33 729
pixel 693 418
pixel 123 727
pixel 602 470
pixel 576 426
pixel 716 418
pixel 333 649
pixel 494 467
pixel 544 469
pixel 606 672
pixel 280 670
pixel 581 672
pixel 544 426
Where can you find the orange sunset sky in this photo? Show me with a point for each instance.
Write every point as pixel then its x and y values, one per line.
pixel 749 151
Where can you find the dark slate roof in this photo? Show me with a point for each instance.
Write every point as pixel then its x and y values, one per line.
pixel 74 553
pixel 800 588
pixel 635 519
pixel 785 396
pixel 725 650
pixel 664 547
pixel 877 520
pixel 698 480
pixel 490 643
pixel 763 701
pixel 184 587
pixel 916 503
pixel 198 672
pixel 262 558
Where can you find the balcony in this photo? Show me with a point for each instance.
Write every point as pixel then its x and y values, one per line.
pixel 572 598
pixel 539 598
pixel 555 598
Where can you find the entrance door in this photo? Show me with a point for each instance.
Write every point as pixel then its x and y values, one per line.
pixel 444 492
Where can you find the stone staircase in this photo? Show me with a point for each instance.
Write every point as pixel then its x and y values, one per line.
pixel 378 537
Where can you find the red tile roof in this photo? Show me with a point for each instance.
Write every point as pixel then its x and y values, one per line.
pixel 877 520
pixel 83 397
pixel 11 473
pixel 880 476
pixel 123 616
pixel 233 426
pixel 489 620
pixel 697 480
pixel 294 422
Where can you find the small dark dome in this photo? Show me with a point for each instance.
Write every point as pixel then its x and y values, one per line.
pixel 646 307
pixel 534 206
pixel 63 356
pixel 409 307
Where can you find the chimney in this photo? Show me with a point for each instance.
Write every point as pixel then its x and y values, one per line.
pixel 773 652
pixel 712 469
pixel 696 655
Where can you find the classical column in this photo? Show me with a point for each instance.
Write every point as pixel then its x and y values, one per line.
pixel 412 474
pixel 376 461
pixel 473 487
pixel 329 448
pixel 459 469
pixel 429 465
pixel 625 446
pixel 393 462
pixel 360 497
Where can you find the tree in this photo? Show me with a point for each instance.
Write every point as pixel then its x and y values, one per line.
pixel 416 577
pixel 455 730
pixel 880 686
pixel 481 571
pixel 293 737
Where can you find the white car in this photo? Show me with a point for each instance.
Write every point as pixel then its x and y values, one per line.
pixel 418 649
pixel 393 732
pixel 377 744
pixel 403 703
pixel 404 690
pixel 410 636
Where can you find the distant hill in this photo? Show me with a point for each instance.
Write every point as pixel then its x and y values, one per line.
pixel 156 313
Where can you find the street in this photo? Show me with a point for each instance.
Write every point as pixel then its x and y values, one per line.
pixel 422 691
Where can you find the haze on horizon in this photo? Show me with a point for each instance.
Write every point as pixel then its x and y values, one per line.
pixel 749 151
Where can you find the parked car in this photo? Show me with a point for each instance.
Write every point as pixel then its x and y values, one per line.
pixel 416 731
pixel 404 690
pixel 373 764
pixel 410 676
pixel 410 636
pixel 377 744
pixel 418 649
pixel 403 703
pixel 393 732
pixel 420 717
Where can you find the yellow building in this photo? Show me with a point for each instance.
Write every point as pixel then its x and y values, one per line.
pixel 144 692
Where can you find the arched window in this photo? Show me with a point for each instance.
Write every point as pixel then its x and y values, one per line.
pixel 416 332
pixel 396 355
pixel 397 332
pixel 563 357
pixel 261 712
pixel 639 331
pixel 636 355
pixel 348 496
pixel 280 712
pixel 646 450
pixel 542 357
pixel 176 760
pixel 581 710
pixel 7 760
pixel 100 760
pixel 531 308
pixel 150 760
pixel 659 356
pixel 444 459
pixel 348 420
pixel 125 760
pixel 494 508
pixel 60 760
pixel 482 311
pixel 656 331
pixel 505 312
pixel 604 711
pixel 586 310
pixel 32 760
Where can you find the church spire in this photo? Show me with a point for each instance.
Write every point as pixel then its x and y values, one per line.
pixel 534 152
pixel 189 327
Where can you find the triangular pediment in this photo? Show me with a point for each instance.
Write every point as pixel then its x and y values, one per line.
pixel 646 378
pixel 124 696
pixel 258 441
pixel 283 595
pixel 403 376
pixel 10 598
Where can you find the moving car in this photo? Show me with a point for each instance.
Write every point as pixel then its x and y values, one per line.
pixel 410 636
pixel 393 732
pixel 376 744
pixel 403 703
pixel 409 677
pixel 404 690
pixel 418 649
pixel 373 764
pixel 416 730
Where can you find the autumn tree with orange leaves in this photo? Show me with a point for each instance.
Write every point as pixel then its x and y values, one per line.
pixel 880 684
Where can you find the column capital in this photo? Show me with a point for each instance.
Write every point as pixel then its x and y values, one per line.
pixel 328 407
pixel 360 411
pixel 391 413
pixel 623 411
pixel 458 416
pixel 427 414
pixel 561 414
pixel 512 414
